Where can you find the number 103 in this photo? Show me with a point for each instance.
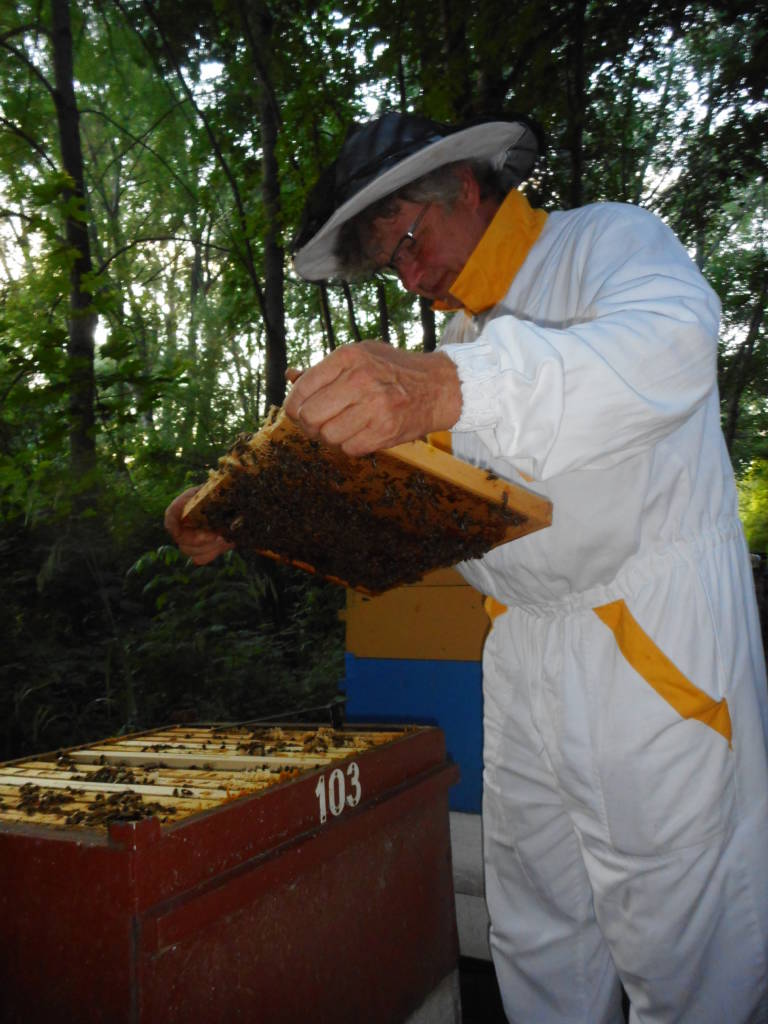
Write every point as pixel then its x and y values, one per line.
pixel 335 798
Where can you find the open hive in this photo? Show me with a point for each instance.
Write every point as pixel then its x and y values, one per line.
pixel 370 523
pixel 169 773
pixel 215 874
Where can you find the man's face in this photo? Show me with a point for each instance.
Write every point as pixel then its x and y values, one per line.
pixel 429 257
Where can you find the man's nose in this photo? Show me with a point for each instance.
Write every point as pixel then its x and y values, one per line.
pixel 410 271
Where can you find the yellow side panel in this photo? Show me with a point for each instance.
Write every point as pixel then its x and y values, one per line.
pixel 441 439
pixel 441 618
pixel 650 662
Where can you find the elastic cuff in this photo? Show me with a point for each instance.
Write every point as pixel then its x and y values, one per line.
pixel 478 368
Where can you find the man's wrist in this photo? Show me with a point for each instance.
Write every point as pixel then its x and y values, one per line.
pixel 446 407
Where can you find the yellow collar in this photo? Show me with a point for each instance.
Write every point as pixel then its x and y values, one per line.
pixel 498 256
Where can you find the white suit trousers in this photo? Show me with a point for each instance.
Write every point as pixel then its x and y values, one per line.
pixel 626 798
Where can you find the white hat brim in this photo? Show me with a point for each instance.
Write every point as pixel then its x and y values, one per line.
pixel 492 141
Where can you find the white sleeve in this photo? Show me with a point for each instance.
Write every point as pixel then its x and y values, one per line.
pixel 628 359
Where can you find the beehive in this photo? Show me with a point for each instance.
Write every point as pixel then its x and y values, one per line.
pixel 169 774
pixel 272 875
pixel 370 523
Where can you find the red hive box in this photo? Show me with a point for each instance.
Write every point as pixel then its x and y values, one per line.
pixel 285 876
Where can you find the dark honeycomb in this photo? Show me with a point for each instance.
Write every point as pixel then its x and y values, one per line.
pixel 372 522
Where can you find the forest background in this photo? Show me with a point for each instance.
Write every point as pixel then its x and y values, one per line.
pixel 154 159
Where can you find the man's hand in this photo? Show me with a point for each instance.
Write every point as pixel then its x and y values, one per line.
pixel 201 546
pixel 369 395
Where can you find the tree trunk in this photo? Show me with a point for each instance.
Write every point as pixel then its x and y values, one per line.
pixel 577 101
pixel 195 298
pixel 325 308
pixel 401 89
pixel 274 267
pixel 741 368
pixel 82 317
pixel 276 359
pixel 700 169
pixel 351 310
pixel 381 295
pixel 453 23
pixel 194 425
pixel 429 335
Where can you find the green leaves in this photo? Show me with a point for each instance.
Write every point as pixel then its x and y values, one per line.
pixel 184 105
pixel 753 503
pixel 238 635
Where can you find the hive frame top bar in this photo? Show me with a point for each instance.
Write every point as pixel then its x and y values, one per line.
pixel 369 523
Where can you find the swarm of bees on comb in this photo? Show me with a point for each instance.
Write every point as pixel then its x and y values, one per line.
pixel 370 523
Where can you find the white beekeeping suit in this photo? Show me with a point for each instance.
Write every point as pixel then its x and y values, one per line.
pixel 616 734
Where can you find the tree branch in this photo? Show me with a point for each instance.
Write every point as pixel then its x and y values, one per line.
pixel 138 140
pixel 31 66
pixel 15 129
pixel 134 243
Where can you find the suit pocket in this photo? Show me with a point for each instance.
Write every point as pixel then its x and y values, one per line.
pixel 665 758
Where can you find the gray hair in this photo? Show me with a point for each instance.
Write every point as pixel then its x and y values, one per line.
pixel 442 186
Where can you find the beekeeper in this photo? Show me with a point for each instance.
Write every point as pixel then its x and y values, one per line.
pixel 625 806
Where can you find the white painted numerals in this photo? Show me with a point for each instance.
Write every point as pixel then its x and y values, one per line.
pixel 334 796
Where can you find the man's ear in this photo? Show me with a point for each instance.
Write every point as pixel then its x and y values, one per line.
pixel 470 189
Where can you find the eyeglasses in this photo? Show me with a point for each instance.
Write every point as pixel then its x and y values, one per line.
pixel 406 246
